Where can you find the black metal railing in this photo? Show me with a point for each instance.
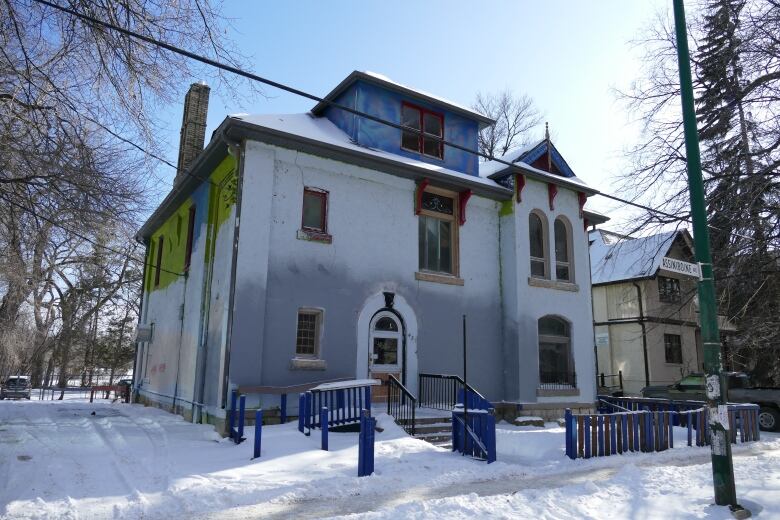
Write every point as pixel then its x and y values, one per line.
pixel 440 391
pixel 613 383
pixel 401 404
pixel 557 380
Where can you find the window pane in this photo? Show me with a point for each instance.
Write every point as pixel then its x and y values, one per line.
pixel 537 268
pixel 553 327
pixel 313 210
pixel 437 203
pixel 435 245
pixel 386 323
pixel 445 246
pixel 432 124
pixel 386 351
pixel 561 242
pixel 562 272
pixel 432 147
pixel 410 117
pixel 432 243
pixel 410 141
pixel 536 234
pixel 673 348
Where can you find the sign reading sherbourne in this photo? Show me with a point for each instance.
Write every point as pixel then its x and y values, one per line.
pixel 678 266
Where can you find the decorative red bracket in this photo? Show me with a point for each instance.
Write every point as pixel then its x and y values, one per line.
pixel 519 185
pixel 582 199
pixel 552 191
pixel 418 200
pixel 463 198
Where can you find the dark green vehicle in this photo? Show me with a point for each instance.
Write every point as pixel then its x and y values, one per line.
pixel 691 388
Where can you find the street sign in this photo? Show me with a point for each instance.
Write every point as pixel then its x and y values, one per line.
pixel 678 266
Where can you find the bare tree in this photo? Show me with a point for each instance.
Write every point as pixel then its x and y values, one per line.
pixel 735 56
pixel 515 115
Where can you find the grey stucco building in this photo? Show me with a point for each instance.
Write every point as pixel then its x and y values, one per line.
pixel 327 245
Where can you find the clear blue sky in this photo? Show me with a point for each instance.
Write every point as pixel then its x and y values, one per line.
pixel 566 54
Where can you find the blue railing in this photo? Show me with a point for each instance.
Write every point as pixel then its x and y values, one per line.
pixel 604 434
pixel 442 391
pixel 476 400
pixel 344 403
pixel 479 438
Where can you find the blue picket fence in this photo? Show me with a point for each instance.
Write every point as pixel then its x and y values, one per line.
pixel 366 444
pixel 479 439
pixel 342 406
pixel 598 435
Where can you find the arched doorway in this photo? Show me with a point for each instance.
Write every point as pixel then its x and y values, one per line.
pixel 386 346
pixel 387 341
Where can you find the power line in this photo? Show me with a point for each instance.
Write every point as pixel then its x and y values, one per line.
pixel 298 92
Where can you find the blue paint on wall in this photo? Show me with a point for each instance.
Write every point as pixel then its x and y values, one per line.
pixel 386 104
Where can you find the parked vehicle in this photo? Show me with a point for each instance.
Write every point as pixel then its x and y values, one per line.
pixel 740 390
pixel 16 387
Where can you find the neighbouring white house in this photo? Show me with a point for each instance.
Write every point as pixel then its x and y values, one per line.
pixel 645 308
pixel 302 248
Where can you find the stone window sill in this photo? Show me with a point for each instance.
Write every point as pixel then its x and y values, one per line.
pixel 447 279
pixel 553 284
pixel 314 236
pixel 563 392
pixel 307 364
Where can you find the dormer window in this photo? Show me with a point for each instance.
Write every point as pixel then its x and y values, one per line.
pixel 432 126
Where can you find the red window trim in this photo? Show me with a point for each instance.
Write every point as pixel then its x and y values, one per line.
pixel 424 111
pixel 159 261
pixel 190 232
pixel 323 195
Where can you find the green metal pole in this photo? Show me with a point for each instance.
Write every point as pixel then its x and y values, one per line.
pixel 720 445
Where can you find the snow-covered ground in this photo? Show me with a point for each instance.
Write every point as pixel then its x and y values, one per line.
pixel 58 460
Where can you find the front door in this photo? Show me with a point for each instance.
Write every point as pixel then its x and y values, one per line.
pixel 385 351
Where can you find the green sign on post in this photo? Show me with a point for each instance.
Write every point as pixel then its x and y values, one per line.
pixel 720 445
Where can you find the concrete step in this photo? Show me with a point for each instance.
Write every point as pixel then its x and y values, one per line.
pixel 433 428
pixel 420 421
pixel 433 438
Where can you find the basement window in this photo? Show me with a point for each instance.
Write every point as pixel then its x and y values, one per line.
pixel 431 124
pixel 307 340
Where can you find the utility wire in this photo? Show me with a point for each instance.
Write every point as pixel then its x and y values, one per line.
pixel 301 93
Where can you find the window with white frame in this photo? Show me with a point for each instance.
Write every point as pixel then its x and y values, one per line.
pixel 537 235
pixel 563 270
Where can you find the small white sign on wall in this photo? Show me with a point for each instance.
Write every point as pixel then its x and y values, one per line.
pixel 602 339
pixel 678 266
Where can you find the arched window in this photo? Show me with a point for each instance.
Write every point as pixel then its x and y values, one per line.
pixel 556 366
pixel 563 260
pixel 537 235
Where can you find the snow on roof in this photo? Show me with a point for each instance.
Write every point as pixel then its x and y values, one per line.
pixel 375 77
pixel 323 130
pixel 615 258
pixel 423 93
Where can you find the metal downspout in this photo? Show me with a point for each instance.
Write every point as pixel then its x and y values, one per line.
pixel 644 333
pixel 237 150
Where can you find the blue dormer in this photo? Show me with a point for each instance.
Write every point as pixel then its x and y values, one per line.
pixel 435 117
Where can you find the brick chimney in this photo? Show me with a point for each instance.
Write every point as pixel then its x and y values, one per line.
pixel 193 127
